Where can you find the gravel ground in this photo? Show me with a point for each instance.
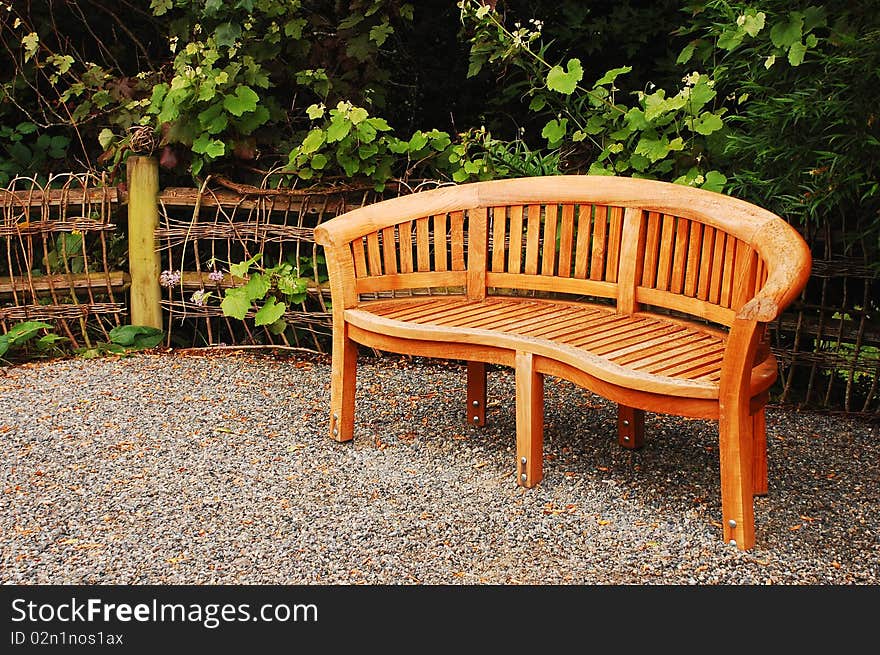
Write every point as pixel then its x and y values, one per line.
pixel 215 468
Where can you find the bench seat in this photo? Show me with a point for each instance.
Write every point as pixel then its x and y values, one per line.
pixel 664 355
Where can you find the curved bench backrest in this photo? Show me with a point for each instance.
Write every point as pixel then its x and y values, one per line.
pixel 630 240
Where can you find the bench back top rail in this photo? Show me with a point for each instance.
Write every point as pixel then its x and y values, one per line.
pixel 634 241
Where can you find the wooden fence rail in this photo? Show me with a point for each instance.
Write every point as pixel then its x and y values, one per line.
pixel 87 256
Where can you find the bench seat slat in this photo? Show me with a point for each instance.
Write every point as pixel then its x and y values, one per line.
pixel 711 356
pixel 436 309
pixel 677 351
pixel 480 318
pixel 670 352
pixel 523 323
pixel 559 326
pixel 627 328
pixel 639 342
pixel 564 332
pixel 598 326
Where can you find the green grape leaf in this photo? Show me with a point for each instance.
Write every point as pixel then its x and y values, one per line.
pixel 339 128
pixel 787 33
pixel 241 269
pixel 731 38
pixel 270 312
pixel 418 141
pixel 235 304
pixel 257 286
pixel 715 181
pixel 380 33
pixel 213 119
pixel 613 74
pixel 554 131
pixel 105 137
pixel 205 145
pixel 313 141
pixel 278 327
pixel 653 149
pixel 796 53
pixel 753 22
pixel 686 53
pixel 565 81
pixel 379 124
pixel 243 100
pixel 358 115
pixel 707 123
pixel 226 34
pixel 294 28
pixel 135 336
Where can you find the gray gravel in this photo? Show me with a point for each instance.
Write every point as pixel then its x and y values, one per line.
pixel 215 468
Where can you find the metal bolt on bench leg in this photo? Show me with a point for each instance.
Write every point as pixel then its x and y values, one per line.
pixel 626 438
pixel 626 423
pixel 523 477
pixel 732 542
pixel 335 432
pixel 476 403
pixel 476 419
pixel 523 461
pixel 731 523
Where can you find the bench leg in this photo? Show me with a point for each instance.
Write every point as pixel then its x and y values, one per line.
pixel 476 393
pixel 342 385
pixel 736 442
pixel 529 421
pixel 630 427
pixel 759 453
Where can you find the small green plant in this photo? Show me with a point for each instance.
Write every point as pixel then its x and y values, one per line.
pixel 123 340
pixel 267 292
pixel 67 255
pixel 22 334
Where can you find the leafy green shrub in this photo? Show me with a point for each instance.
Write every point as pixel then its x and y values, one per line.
pixel 22 334
pixel 591 128
pixel 801 82
pixel 123 340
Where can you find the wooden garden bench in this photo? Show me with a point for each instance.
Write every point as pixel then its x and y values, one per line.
pixel 653 295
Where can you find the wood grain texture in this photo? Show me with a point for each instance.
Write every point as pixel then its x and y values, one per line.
pixel 475 409
pixel 548 250
pixel 630 427
pixel 529 421
pixel 566 240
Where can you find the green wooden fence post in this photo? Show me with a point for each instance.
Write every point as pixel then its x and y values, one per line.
pixel 143 258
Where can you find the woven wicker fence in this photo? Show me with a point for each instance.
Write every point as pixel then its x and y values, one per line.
pixel 65 261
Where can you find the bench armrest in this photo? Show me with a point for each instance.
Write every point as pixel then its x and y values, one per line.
pixel 790 262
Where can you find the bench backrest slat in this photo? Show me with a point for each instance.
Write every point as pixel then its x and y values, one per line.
pixel 439 239
pixel 566 240
pixel 695 268
pixel 404 232
pixel 551 226
pixel 582 243
pixel 633 241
